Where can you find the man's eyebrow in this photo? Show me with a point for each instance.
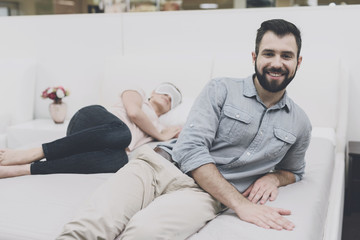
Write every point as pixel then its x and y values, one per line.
pixel 282 52
pixel 288 52
pixel 268 50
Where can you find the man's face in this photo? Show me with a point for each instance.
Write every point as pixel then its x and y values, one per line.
pixel 276 62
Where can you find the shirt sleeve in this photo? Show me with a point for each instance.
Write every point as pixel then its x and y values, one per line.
pixel 192 148
pixel 136 89
pixel 294 160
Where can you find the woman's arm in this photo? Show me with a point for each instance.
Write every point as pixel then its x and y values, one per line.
pixel 133 101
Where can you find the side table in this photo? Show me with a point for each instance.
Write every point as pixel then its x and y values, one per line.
pixel 34 133
pixel 352 194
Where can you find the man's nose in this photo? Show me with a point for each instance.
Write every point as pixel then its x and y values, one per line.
pixel 277 62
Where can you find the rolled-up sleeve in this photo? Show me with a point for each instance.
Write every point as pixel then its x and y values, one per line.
pixel 192 148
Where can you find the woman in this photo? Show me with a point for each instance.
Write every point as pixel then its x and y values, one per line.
pixel 97 141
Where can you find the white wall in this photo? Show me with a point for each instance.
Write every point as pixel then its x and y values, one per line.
pixel 74 48
pixel 70 50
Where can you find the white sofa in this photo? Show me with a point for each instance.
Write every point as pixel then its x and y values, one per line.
pixel 96 56
pixel 36 207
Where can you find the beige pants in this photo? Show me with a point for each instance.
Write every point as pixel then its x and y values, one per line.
pixel 149 198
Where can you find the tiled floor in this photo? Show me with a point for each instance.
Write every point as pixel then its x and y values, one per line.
pixel 351 227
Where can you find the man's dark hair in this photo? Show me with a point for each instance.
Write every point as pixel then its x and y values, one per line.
pixel 281 28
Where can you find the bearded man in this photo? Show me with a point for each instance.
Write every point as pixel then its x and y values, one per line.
pixel 243 139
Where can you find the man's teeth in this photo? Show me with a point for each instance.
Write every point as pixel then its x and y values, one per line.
pixel 275 74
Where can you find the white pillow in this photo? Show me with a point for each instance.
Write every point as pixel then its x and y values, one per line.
pixel 178 115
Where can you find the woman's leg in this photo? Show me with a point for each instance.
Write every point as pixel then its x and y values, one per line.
pixel 91 121
pixel 103 161
pixel 115 135
pixel 95 143
pixel 92 128
pixel 19 157
pixel 88 117
pixel 14 171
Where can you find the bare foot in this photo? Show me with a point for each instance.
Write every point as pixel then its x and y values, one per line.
pixel 18 157
pixel 14 171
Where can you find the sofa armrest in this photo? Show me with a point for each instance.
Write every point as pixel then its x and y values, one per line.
pixel 3 141
pixel 17 80
pixel 34 133
pixel 4 122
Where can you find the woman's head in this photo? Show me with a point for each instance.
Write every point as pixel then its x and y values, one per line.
pixel 166 96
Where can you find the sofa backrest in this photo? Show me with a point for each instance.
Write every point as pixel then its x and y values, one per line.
pixel 188 72
pixel 17 85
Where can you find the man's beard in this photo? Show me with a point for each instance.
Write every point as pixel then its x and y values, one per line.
pixel 273 86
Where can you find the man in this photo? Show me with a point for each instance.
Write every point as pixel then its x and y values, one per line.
pixel 243 139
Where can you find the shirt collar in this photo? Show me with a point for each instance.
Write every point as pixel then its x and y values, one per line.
pixel 250 91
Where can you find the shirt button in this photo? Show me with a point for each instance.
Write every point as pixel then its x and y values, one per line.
pixel 191 125
pixel 237 115
pixel 261 133
pixel 248 153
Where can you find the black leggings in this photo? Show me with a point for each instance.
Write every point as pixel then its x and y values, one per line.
pixel 95 142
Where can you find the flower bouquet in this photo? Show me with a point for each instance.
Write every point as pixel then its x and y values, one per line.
pixel 55 93
pixel 57 108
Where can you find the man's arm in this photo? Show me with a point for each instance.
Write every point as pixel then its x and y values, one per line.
pixel 210 179
pixel 132 101
pixel 266 187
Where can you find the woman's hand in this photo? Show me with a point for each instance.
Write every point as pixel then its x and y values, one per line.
pixel 169 133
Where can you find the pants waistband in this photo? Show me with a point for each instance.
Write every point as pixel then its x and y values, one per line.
pixel 165 155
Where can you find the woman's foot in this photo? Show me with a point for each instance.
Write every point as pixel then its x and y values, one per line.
pixel 19 157
pixel 14 171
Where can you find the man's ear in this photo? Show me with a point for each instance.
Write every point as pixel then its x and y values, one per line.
pixel 299 61
pixel 253 56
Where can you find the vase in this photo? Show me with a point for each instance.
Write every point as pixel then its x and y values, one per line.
pixel 58 112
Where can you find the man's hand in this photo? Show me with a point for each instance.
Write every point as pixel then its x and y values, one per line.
pixel 265 216
pixel 263 189
pixel 211 180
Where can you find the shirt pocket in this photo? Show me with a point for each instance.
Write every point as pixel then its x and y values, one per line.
pixel 280 143
pixel 234 124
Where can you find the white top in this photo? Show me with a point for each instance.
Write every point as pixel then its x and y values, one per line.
pixel 138 136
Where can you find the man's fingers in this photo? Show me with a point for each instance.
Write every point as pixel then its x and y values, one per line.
pixel 274 221
pixel 257 196
pixel 247 192
pixel 259 222
pixel 265 197
pixel 253 192
pixel 283 211
pixel 282 221
pixel 274 225
pixel 273 195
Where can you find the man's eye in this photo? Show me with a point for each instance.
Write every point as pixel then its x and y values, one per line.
pixel 268 54
pixel 287 56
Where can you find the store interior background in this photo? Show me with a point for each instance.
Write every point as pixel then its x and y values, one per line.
pixel 45 7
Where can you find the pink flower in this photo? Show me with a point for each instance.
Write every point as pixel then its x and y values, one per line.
pixel 55 93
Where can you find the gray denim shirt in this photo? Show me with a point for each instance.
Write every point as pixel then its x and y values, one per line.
pixel 229 126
